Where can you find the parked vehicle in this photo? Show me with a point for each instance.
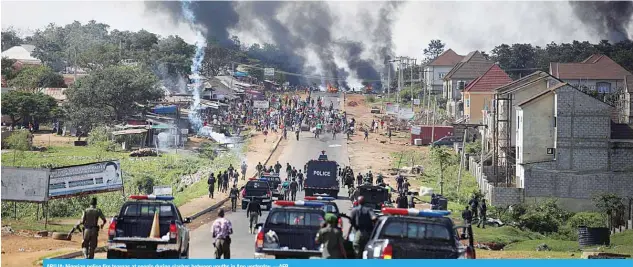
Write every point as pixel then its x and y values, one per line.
pixel 445 141
pixel 129 232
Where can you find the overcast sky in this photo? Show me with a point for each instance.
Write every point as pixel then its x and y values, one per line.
pixel 463 26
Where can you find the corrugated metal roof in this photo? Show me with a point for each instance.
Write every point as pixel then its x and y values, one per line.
pixel 129 131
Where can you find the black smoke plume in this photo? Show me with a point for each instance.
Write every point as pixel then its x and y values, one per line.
pixel 610 19
pixel 363 68
pixel 217 17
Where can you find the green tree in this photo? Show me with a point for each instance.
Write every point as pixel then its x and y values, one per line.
pixel 31 78
pixel 10 39
pixel 8 71
pixel 111 94
pixel 435 49
pixel 215 59
pixel 173 55
pixel 441 156
pixel 612 206
pixel 19 105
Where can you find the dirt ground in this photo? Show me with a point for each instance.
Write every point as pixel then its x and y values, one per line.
pixel 375 154
pixel 22 248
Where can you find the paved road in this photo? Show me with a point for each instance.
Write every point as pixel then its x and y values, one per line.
pixel 297 153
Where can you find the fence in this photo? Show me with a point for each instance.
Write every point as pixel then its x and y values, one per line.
pixel 499 196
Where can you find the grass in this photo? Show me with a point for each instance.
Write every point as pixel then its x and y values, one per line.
pixel 138 174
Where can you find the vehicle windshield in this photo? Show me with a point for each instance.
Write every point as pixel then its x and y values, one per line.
pixel 257 185
pixel 330 208
pixel 295 218
pixel 147 210
pixel 416 230
pixel 374 195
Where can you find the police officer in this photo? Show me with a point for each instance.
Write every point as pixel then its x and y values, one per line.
pixel 362 219
pixel 253 211
pixel 380 179
pixel 474 204
pixel 234 194
pixel 402 201
pixel 467 215
pixel 211 183
pixel 482 214
pixel 277 167
pixel 294 186
pixel 259 168
pixel 371 177
pixel 411 199
pixel 89 220
pixel 331 237
pixel 359 179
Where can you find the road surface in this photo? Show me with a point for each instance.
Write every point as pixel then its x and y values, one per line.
pixel 297 153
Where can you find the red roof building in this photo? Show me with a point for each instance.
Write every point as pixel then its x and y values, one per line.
pixel 447 58
pixel 479 92
pixel 597 72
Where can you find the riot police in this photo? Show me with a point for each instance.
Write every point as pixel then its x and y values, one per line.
pixel 89 220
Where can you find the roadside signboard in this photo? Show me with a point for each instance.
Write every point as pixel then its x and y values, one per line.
pixel 162 190
pixel 416 130
pixel 261 104
pixel 416 101
pixel 24 184
pixel 269 72
pixel 85 179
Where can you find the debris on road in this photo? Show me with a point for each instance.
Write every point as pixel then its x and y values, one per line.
pixel 144 152
pixel 352 103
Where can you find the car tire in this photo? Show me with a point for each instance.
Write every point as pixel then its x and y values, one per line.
pixel 111 255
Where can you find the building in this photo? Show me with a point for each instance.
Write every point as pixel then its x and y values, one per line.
pixel 569 148
pixel 597 73
pixel 22 54
pixel 468 69
pixel 435 71
pixel 624 105
pixel 478 94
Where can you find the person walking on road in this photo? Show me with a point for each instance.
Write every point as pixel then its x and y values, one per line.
pixel 294 186
pixel 300 178
pixel 234 195
pixel 277 167
pixel 366 135
pixel 221 230
pixel 297 132
pixel 90 222
pixel 331 237
pixel 211 183
pixel 482 214
pixel 362 219
pixel 253 211
pixel 244 168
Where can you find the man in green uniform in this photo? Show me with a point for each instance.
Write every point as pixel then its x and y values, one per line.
pixel 331 237
pixel 362 219
pixel 90 221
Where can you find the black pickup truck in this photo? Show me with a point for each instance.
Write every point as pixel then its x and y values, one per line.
pixel 417 237
pixel 376 197
pixel 289 231
pixel 128 233
pixel 275 184
pixel 256 189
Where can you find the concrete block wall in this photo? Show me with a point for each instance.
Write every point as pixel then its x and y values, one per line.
pixel 621 157
pixel 496 196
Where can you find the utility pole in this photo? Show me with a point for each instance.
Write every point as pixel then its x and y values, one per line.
pixel 411 83
pixel 388 79
pixel 433 125
pixel 461 160
pixel 231 72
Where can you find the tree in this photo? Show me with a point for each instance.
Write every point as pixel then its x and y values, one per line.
pixel 435 49
pixel 19 105
pixel 215 58
pixel 8 71
pixel 10 39
pixel 31 78
pixel 111 94
pixel 612 206
pixel 441 156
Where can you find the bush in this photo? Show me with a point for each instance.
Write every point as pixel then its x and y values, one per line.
pixel 540 222
pixel 589 219
pixel 371 99
pixel 19 140
pixel 100 137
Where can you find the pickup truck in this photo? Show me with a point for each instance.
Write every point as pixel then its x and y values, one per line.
pixel 129 232
pixel 414 234
pixel 289 230
pixel 256 189
pixel 275 184
pixel 376 197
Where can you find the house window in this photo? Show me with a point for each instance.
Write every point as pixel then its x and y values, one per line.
pixel 461 85
pixel 518 122
pixel 441 75
pixel 554 121
pixel 467 103
pixel 603 87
